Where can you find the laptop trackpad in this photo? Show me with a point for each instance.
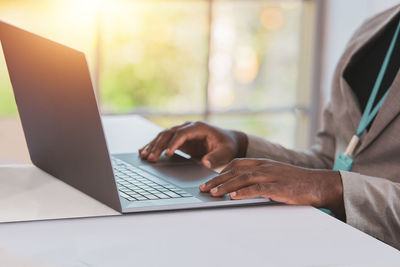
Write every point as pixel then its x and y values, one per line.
pixel 182 175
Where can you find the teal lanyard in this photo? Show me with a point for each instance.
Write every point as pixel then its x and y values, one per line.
pixel 369 116
pixel 344 161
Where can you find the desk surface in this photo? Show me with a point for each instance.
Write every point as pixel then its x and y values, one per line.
pixel 276 235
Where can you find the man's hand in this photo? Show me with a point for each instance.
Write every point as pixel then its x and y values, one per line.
pixel 248 178
pixel 214 146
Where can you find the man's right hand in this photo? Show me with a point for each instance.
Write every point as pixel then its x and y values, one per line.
pixel 213 145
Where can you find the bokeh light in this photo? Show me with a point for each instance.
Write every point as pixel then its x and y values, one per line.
pixel 272 18
pixel 246 64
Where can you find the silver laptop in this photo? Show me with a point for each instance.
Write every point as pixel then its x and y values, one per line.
pixel 65 137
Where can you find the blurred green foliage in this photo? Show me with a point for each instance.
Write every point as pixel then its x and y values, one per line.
pixel 155 57
pixel 7 102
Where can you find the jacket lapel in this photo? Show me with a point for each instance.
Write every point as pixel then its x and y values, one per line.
pixel 390 109
pixel 391 106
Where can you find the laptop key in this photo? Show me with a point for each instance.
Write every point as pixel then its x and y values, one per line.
pixel 152 197
pixel 153 191
pixel 122 194
pixel 163 189
pixel 171 194
pixel 162 196
pixel 170 186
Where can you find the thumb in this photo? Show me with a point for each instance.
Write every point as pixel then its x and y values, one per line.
pixel 214 158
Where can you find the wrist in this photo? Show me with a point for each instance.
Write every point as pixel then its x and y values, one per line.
pixel 241 143
pixel 331 195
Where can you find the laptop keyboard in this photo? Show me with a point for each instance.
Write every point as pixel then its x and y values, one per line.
pixel 134 184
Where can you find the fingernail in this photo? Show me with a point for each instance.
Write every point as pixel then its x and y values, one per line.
pixel 207 163
pixel 214 190
pixel 202 186
pixel 233 194
pixel 151 155
pixel 167 151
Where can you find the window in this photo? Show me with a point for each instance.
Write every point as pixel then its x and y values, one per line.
pixel 242 64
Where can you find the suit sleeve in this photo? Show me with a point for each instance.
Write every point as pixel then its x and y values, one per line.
pixel 372 205
pixel 320 156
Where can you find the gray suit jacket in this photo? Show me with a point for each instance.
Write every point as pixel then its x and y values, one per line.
pixel 372 188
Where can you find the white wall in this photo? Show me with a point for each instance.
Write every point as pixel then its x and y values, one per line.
pixel 343 17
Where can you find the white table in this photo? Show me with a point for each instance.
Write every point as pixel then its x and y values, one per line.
pixel 277 235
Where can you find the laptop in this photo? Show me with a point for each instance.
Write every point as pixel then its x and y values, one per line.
pixel 64 133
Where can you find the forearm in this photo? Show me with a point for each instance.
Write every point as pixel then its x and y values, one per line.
pixel 320 156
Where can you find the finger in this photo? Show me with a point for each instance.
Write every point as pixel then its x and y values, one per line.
pixel 144 151
pixel 160 145
pixel 145 146
pixel 181 136
pixel 255 190
pixel 241 162
pixel 149 147
pixel 236 183
pixel 177 127
pixel 222 178
pixel 214 158
pixel 173 130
